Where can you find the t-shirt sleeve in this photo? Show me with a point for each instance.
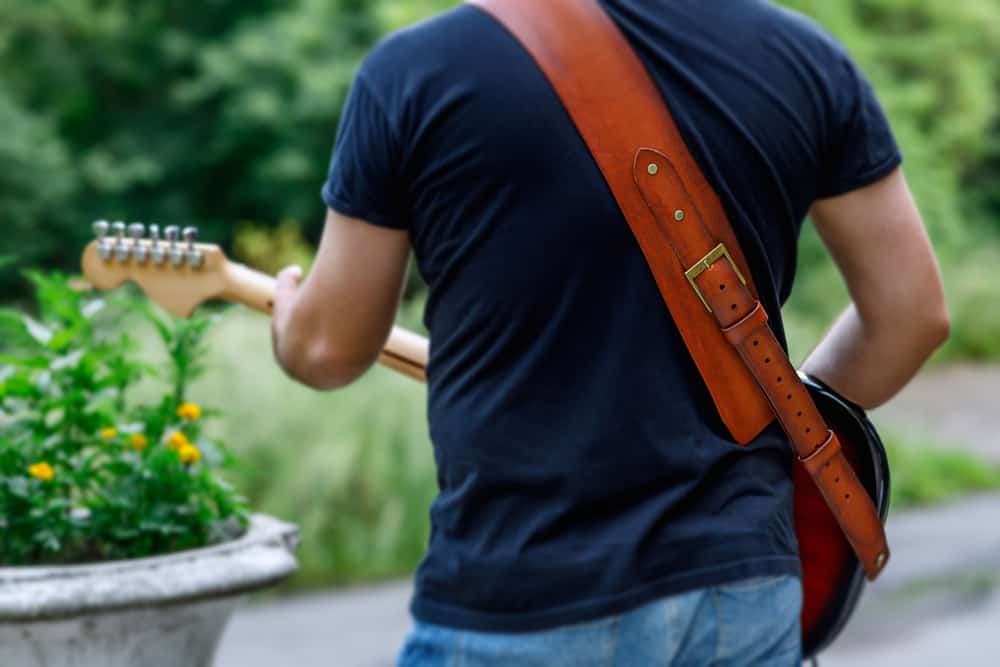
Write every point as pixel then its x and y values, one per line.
pixel 860 146
pixel 364 179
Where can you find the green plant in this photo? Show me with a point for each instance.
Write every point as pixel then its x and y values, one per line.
pixel 926 474
pixel 87 473
pixel 271 249
pixel 354 469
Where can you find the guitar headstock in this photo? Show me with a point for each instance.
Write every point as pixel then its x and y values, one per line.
pixel 174 270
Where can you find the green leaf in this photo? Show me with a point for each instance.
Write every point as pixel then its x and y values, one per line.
pixel 70 360
pixel 18 487
pixel 18 385
pixel 25 362
pixel 62 338
pixel 6 372
pixel 38 331
pixel 48 540
pixel 123 532
pixel 54 418
pixel 92 308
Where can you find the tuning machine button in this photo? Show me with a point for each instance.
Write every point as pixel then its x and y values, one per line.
pixel 140 253
pixel 156 249
pixel 121 248
pixel 175 253
pixel 104 249
pixel 195 257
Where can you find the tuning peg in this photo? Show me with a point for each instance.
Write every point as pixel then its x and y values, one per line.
pixel 156 250
pixel 176 254
pixel 121 250
pixel 140 253
pixel 101 228
pixel 195 257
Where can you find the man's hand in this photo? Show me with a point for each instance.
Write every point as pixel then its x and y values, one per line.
pixel 289 280
pixel 329 329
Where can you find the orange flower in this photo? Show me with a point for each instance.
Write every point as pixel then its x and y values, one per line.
pixel 189 411
pixel 42 471
pixel 177 440
pixel 189 454
pixel 108 433
pixel 139 441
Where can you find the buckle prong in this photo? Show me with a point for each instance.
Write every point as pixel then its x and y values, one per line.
pixel 705 263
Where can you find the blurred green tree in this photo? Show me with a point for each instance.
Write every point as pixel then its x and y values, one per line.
pixel 173 112
pixel 222 113
pixel 35 179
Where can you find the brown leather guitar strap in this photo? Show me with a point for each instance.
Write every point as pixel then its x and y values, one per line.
pixel 690 245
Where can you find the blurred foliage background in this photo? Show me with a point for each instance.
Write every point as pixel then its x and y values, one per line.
pixel 223 114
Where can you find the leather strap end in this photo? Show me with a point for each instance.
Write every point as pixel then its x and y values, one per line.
pixel 850 504
pixel 874 568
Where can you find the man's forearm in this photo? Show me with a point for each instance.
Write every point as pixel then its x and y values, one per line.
pixel 301 345
pixel 869 363
pixel 314 360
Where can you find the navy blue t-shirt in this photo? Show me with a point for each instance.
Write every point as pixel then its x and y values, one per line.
pixel 582 467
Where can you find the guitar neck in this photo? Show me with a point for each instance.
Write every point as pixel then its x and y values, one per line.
pixel 405 352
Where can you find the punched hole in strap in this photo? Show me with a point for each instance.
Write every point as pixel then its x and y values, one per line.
pixel 740 331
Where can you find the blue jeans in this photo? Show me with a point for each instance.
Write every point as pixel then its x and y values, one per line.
pixel 747 623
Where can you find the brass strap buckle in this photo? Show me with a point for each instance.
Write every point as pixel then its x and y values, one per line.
pixel 717 253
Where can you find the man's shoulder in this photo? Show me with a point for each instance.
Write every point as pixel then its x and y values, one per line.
pixel 777 41
pixel 429 43
pixel 779 22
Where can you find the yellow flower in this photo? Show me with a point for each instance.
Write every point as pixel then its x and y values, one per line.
pixel 108 433
pixel 189 454
pixel 189 411
pixel 139 441
pixel 42 471
pixel 177 440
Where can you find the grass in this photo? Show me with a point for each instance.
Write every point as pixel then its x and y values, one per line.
pixel 355 470
pixel 925 474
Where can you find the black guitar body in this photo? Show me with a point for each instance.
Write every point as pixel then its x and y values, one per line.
pixel 833 578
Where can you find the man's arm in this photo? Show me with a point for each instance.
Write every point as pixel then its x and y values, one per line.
pixel 898 316
pixel 330 330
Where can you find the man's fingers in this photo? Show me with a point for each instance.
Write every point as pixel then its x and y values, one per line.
pixel 289 278
pixel 284 299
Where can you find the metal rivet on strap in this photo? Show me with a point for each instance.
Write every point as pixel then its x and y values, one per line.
pixel 653 169
pixel 679 215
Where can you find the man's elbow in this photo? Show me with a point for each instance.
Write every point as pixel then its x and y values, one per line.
pixel 939 326
pixel 931 324
pixel 320 366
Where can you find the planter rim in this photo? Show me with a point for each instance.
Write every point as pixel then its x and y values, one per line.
pixel 264 555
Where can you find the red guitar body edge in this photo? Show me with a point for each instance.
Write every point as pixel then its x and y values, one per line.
pixel 832 577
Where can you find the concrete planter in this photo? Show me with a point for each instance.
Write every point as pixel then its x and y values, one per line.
pixel 167 611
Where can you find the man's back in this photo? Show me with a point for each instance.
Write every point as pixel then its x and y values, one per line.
pixel 582 467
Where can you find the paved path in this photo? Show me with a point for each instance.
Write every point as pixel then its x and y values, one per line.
pixel 957 406
pixel 966 638
pixel 357 628
pixel 939 601
pixel 938 604
pixel 941 590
